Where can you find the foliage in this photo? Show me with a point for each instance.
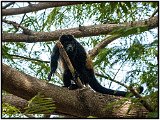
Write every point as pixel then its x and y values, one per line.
pixel 40 105
pixel 9 110
pixel 118 103
pixel 152 115
pixel 91 117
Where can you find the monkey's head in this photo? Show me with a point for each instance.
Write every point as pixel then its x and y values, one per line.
pixel 68 42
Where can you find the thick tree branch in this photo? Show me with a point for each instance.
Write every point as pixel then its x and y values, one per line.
pixel 21 104
pixel 15 101
pixel 36 7
pixel 80 103
pixel 92 30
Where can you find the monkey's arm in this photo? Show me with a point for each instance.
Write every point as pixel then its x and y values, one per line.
pixel 54 61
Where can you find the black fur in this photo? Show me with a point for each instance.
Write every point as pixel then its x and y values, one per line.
pixel 78 58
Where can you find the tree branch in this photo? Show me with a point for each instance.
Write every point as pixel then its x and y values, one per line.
pixel 108 78
pixel 27 58
pixel 92 30
pixel 21 104
pixel 80 103
pixel 16 26
pixel 69 64
pixel 36 7
pixel 113 37
pixel 156 11
pixel 94 52
pixel 15 101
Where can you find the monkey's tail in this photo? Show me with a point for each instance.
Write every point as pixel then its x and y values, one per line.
pixel 98 88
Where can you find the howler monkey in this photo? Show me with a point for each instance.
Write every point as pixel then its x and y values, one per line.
pixel 82 65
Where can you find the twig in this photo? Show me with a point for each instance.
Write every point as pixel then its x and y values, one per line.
pixel 30 4
pixel 22 19
pixel 16 25
pixel 7 5
pixel 118 71
pixel 27 58
pixel 130 88
pixel 109 78
pixel 69 64
pixel 154 12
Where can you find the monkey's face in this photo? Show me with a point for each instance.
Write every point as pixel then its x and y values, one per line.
pixel 68 42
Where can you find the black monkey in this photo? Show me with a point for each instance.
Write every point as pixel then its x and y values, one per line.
pixel 81 63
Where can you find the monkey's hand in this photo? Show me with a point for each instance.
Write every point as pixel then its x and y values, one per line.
pixel 49 76
pixel 73 87
pixel 76 75
pixel 140 89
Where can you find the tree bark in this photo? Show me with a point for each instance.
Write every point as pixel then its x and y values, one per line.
pixel 80 103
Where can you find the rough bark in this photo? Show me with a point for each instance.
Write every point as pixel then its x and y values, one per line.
pixel 80 103
pixel 92 30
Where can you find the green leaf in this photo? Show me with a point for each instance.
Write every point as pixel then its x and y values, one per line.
pixel 40 105
pixel 122 5
pixel 128 4
pixel 9 110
